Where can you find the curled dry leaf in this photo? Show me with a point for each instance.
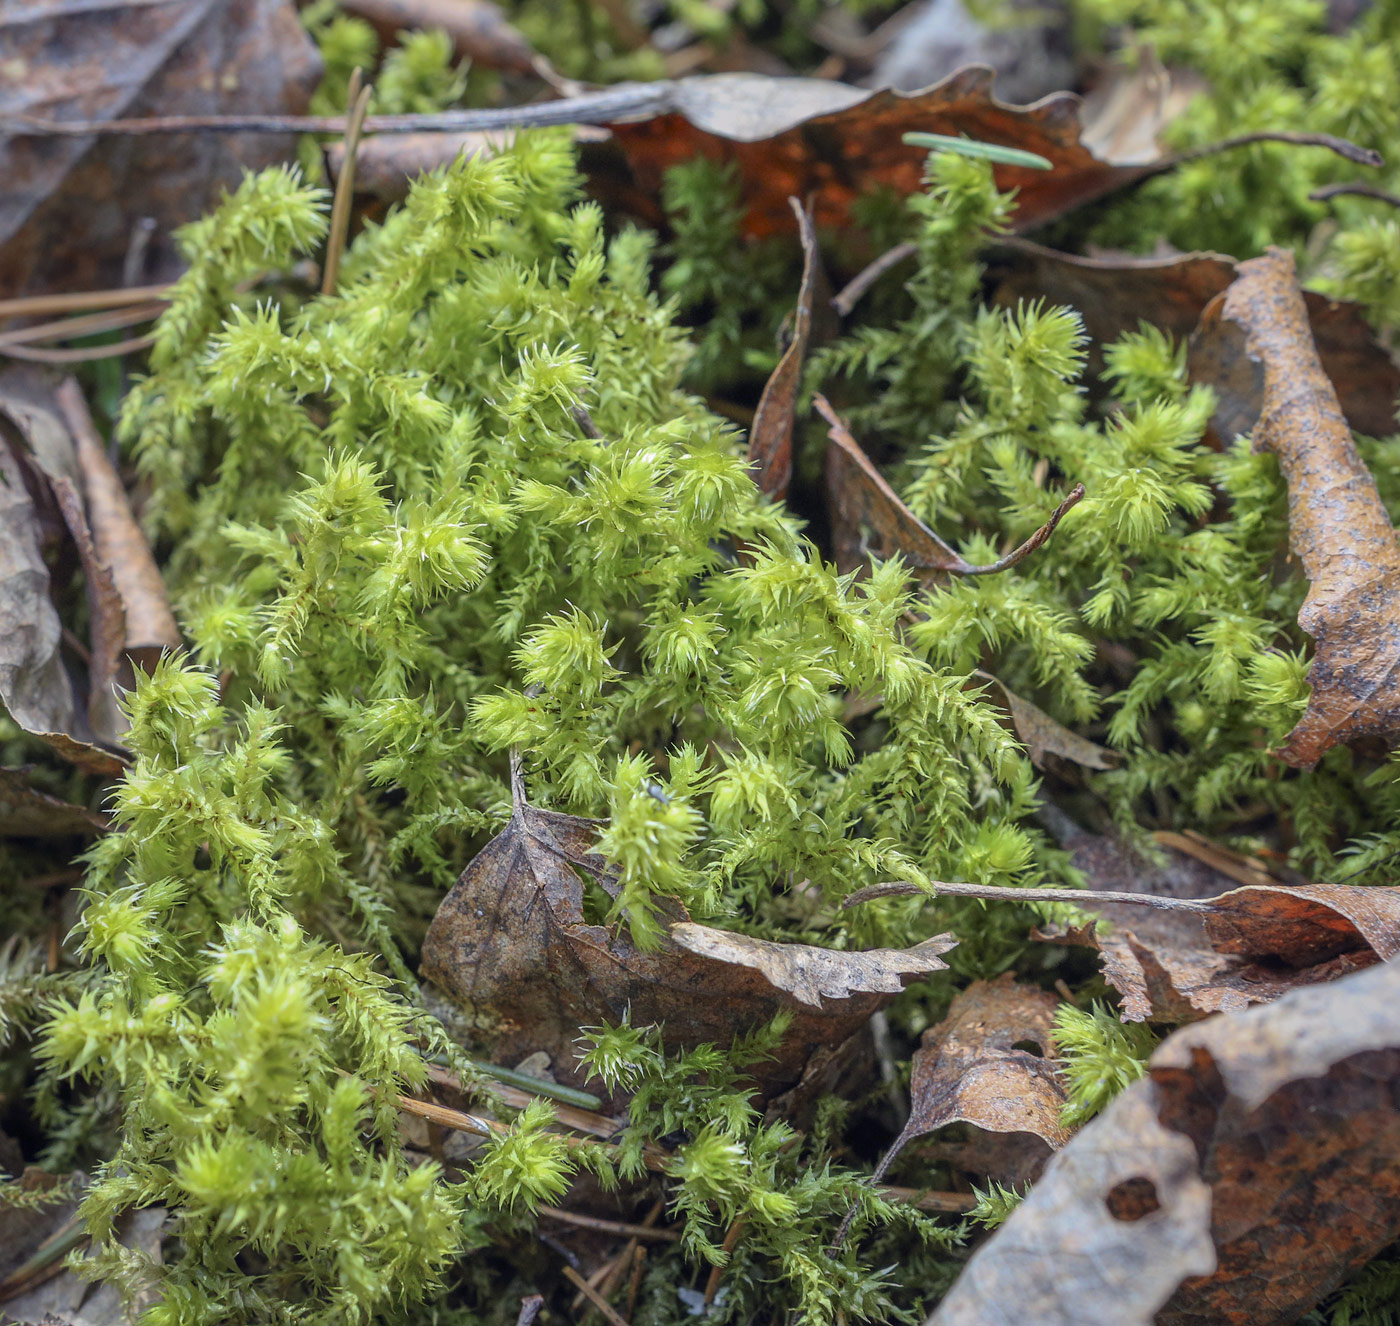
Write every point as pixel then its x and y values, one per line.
pixel 478 29
pixel 130 618
pixel 70 205
pixel 511 947
pixel 1218 948
pixel 1238 1183
pixel 118 541
pixel 770 438
pixel 1042 735
pixel 1116 293
pixel 1258 337
pixel 989 1063
pixel 35 688
pixel 869 519
pixel 26 812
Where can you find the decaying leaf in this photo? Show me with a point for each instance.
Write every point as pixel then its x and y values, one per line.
pixel 795 137
pixel 118 543
pixel 989 1063
pixel 1257 333
pixel 1237 946
pixel 770 438
pixel 1238 1183
pixel 510 946
pixel 1117 293
pixel 1042 735
pixel 869 519
pixel 478 29
pixel 69 205
pixel 35 688
pixel 26 812
pixel 130 618
pixel 807 973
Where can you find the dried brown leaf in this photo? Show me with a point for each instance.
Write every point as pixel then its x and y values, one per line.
pixel 1240 946
pixel 130 617
pixel 809 974
pixel 1115 293
pixel 70 205
pixel 511 947
pixel 1237 1184
pixel 770 438
pixel 868 518
pixel 1257 334
pixel 34 685
pixel 1042 735
pixel 795 137
pixel 990 1063
pixel 118 541
pixel 26 812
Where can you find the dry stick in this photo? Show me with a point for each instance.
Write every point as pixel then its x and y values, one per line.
pixel 595 1278
pixel 856 287
pixel 658 1162
pixel 593 1296
pixel 610 1226
pixel 1072 498
pixel 530 1307
pixel 1358 189
pixel 1363 156
pixel 927 1199
pixel 608 1286
pixel 41 306
pixel 1080 897
pixel 46 1261
pixel 462 1122
pixel 345 185
pixel 731 1238
pixel 639 1266
pixel 64 329
pixel 33 354
pixel 590 108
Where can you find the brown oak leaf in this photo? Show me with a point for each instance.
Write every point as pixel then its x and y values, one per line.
pixel 1237 1184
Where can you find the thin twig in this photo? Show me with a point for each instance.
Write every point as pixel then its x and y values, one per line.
pixel 87 324
pixel 1080 897
pixel 635 99
pixel 35 355
pixel 571 1116
pixel 595 1278
pixel 608 1285
pixel 79 301
pixel 46 1260
pixel 1072 498
pixel 946 1203
pixel 536 1086
pixel 731 1239
pixel 610 1226
pixel 594 1297
pixel 639 1265
pixel 462 1122
pixel 345 185
pixel 1357 189
pixel 862 281
pixel 1363 156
